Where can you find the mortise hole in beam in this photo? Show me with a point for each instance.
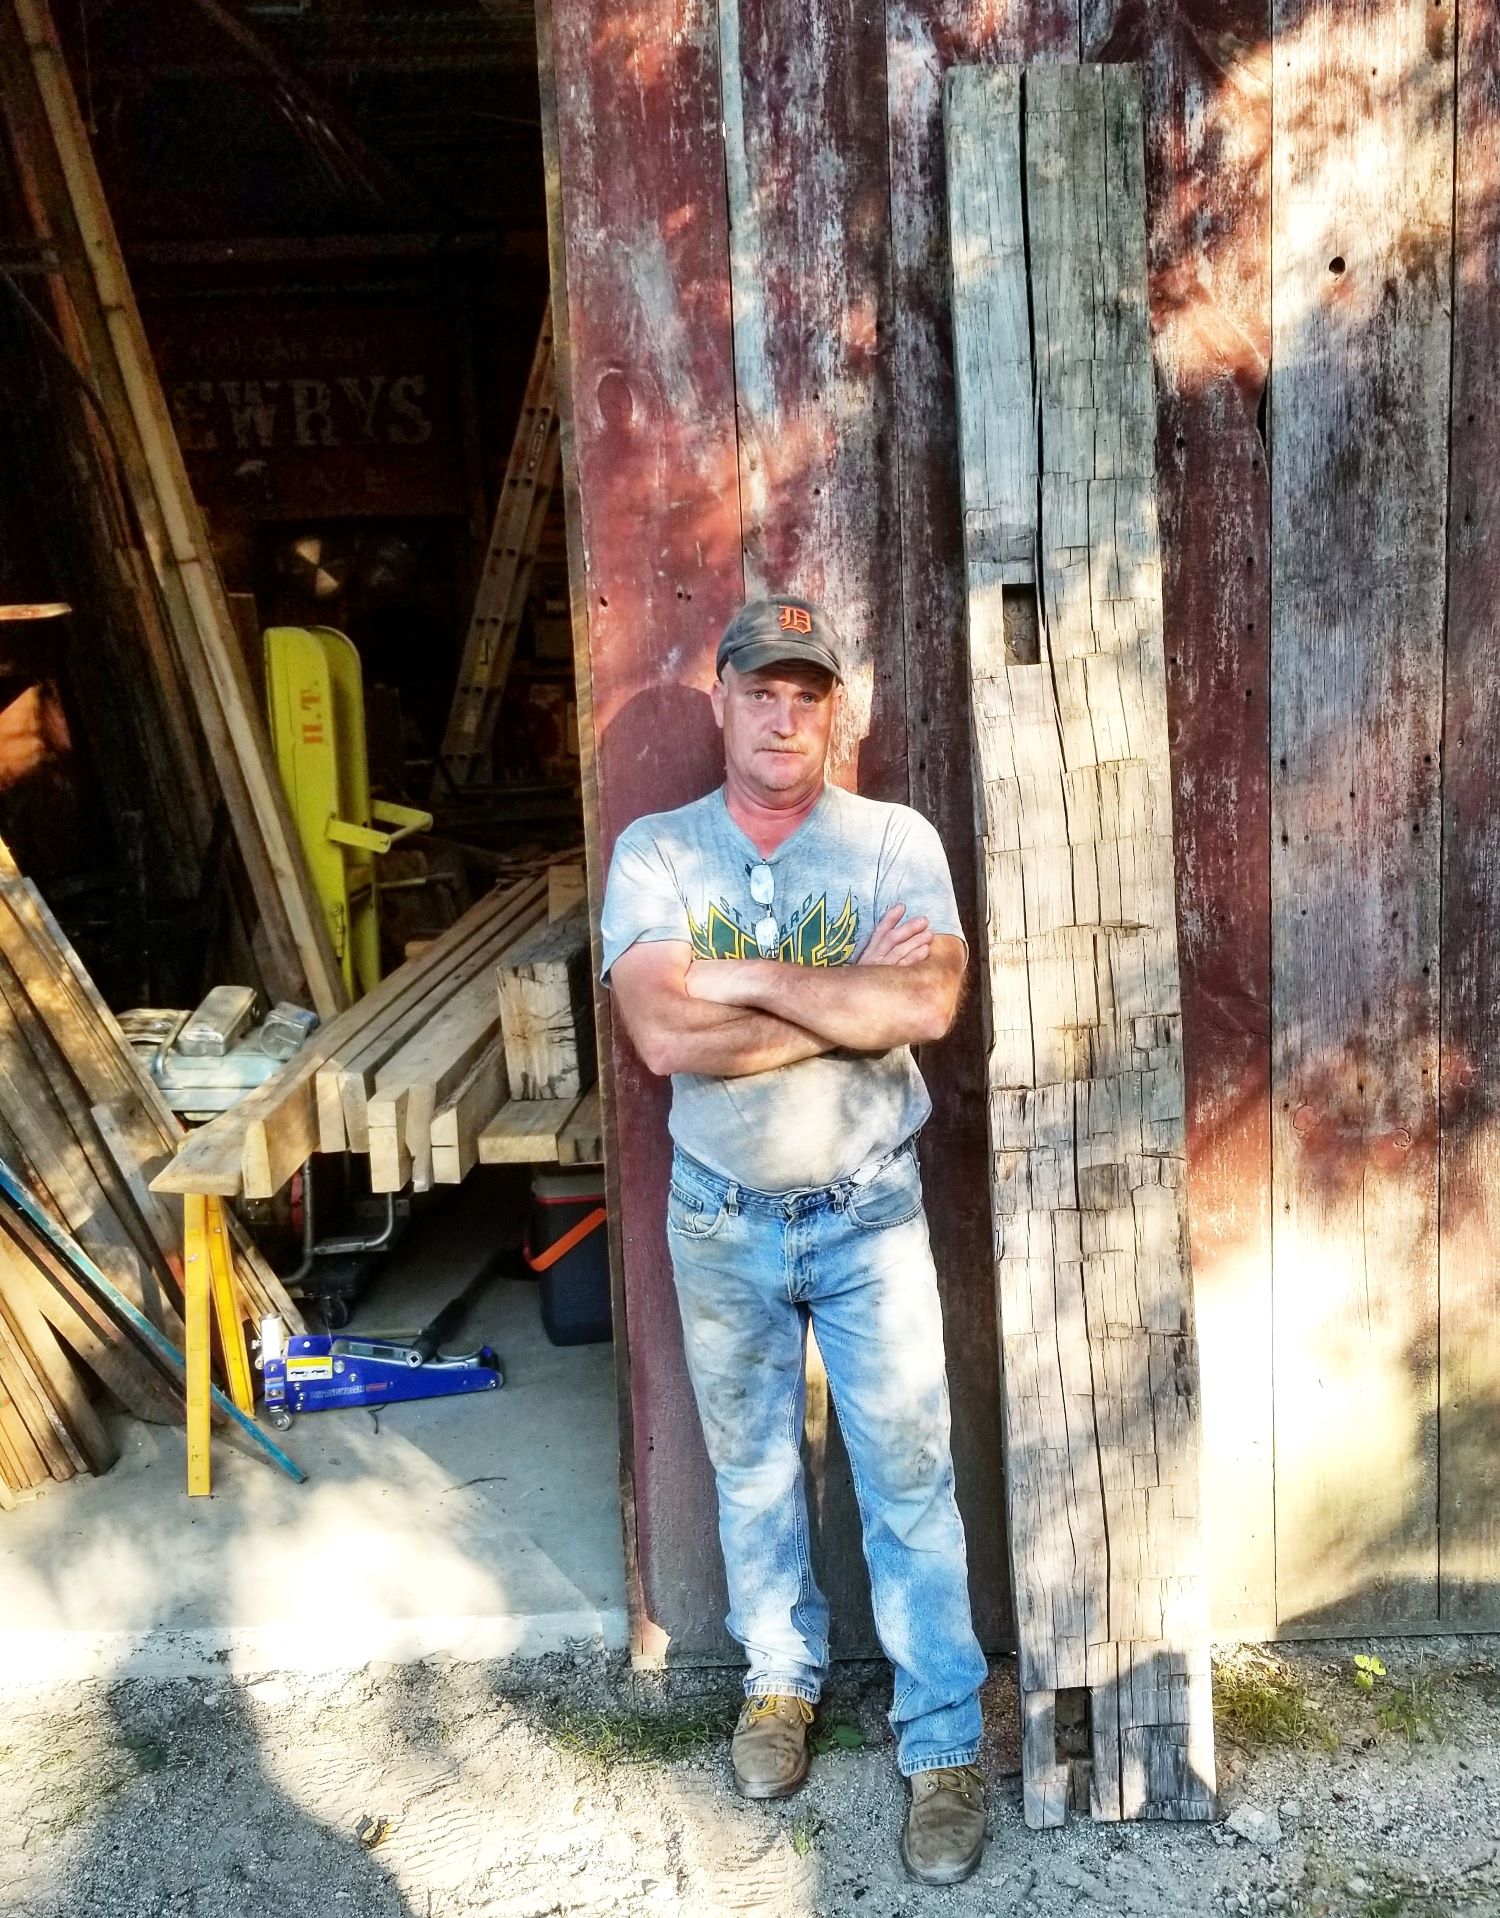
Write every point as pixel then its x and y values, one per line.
pixel 1023 628
pixel 1073 1731
pixel 1071 1717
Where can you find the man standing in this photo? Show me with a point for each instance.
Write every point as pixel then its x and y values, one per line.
pixel 777 947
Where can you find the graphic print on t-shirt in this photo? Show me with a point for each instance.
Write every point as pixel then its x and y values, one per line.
pixel 808 941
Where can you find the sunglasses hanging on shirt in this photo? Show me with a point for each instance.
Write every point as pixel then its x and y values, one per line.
pixel 763 892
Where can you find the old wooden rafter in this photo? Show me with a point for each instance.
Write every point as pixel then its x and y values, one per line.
pixel 323 126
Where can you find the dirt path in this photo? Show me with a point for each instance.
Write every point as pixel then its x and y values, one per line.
pixel 570 1788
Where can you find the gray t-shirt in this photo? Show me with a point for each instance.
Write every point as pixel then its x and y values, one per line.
pixel 685 875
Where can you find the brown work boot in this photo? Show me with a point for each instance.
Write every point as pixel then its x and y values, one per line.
pixel 942 1840
pixel 769 1753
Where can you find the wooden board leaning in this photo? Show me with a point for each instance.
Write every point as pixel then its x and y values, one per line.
pixel 1057 432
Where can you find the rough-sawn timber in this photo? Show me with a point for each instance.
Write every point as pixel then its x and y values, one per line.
pixel 1056 434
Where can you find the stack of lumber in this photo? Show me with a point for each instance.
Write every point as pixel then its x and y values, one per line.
pixel 83 1128
pixel 419 1075
pixel 546 1011
pixel 416 1093
pixel 421 1047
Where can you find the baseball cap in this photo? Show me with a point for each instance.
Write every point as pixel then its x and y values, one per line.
pixel 767 631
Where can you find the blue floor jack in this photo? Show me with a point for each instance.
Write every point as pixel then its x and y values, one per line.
pixel 321 1371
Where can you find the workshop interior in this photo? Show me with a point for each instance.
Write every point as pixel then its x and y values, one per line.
pixel 330 227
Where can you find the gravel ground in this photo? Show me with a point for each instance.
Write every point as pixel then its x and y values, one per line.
pixel 498 1792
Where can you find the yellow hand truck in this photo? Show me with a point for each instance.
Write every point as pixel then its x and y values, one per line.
pixel 316 698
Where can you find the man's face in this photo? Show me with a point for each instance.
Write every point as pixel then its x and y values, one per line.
pixel 776 724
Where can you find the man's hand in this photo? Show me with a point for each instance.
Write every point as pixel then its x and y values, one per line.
pixel 897 941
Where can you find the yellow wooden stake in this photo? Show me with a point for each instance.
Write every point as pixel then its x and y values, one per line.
pixel 196 1283
pixel 227 1314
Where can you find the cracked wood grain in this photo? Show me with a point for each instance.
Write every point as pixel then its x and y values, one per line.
pixel 1206 78
pixel 1056 412
pixel 924 38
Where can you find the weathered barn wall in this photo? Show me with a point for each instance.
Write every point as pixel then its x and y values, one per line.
pixel 753 258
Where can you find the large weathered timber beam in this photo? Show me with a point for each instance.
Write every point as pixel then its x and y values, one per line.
pixel 1056 431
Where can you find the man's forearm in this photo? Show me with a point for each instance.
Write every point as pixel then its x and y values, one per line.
pixel 867 1008
pixel 741 1044
pixel 727 1042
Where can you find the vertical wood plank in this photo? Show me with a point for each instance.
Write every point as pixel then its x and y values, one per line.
pixel 924 38
pixel 1206 70
pixel 1047 216
pixel 806 165
pixel 608 1143
pixel 1362 161
pixel 809 210
pixel 1470 1149
pixel 655 486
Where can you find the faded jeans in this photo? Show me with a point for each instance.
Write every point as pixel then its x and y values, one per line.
pixel 751 1267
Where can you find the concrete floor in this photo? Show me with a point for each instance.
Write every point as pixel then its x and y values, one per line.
pixel 475 1527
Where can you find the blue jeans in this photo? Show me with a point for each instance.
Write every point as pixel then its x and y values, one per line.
pixel 751 1268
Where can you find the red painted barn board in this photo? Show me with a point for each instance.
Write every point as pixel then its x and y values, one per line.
pixel 762 392
pixel 809 209
pixel 925 38
pixel 1469 1414
pixel 809 214
pixel 645 234
pixel 1207 77
pixel 1361 255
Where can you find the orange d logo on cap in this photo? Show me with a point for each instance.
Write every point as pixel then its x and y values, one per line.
pixel 770 632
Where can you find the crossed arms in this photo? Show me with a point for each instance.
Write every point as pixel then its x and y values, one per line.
pixel 729 1018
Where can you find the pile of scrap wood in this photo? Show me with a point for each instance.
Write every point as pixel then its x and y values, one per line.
pixel 418 1073
pixel 546 1017
pixel 82 1130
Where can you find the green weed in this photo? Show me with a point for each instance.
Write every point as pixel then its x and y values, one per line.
pixel 803 1832
pixel 836 1735
pixel 1414 1709
pixel 622 1736
pixel 1260 1700
pixel 145 1754
pixel 1402 1902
